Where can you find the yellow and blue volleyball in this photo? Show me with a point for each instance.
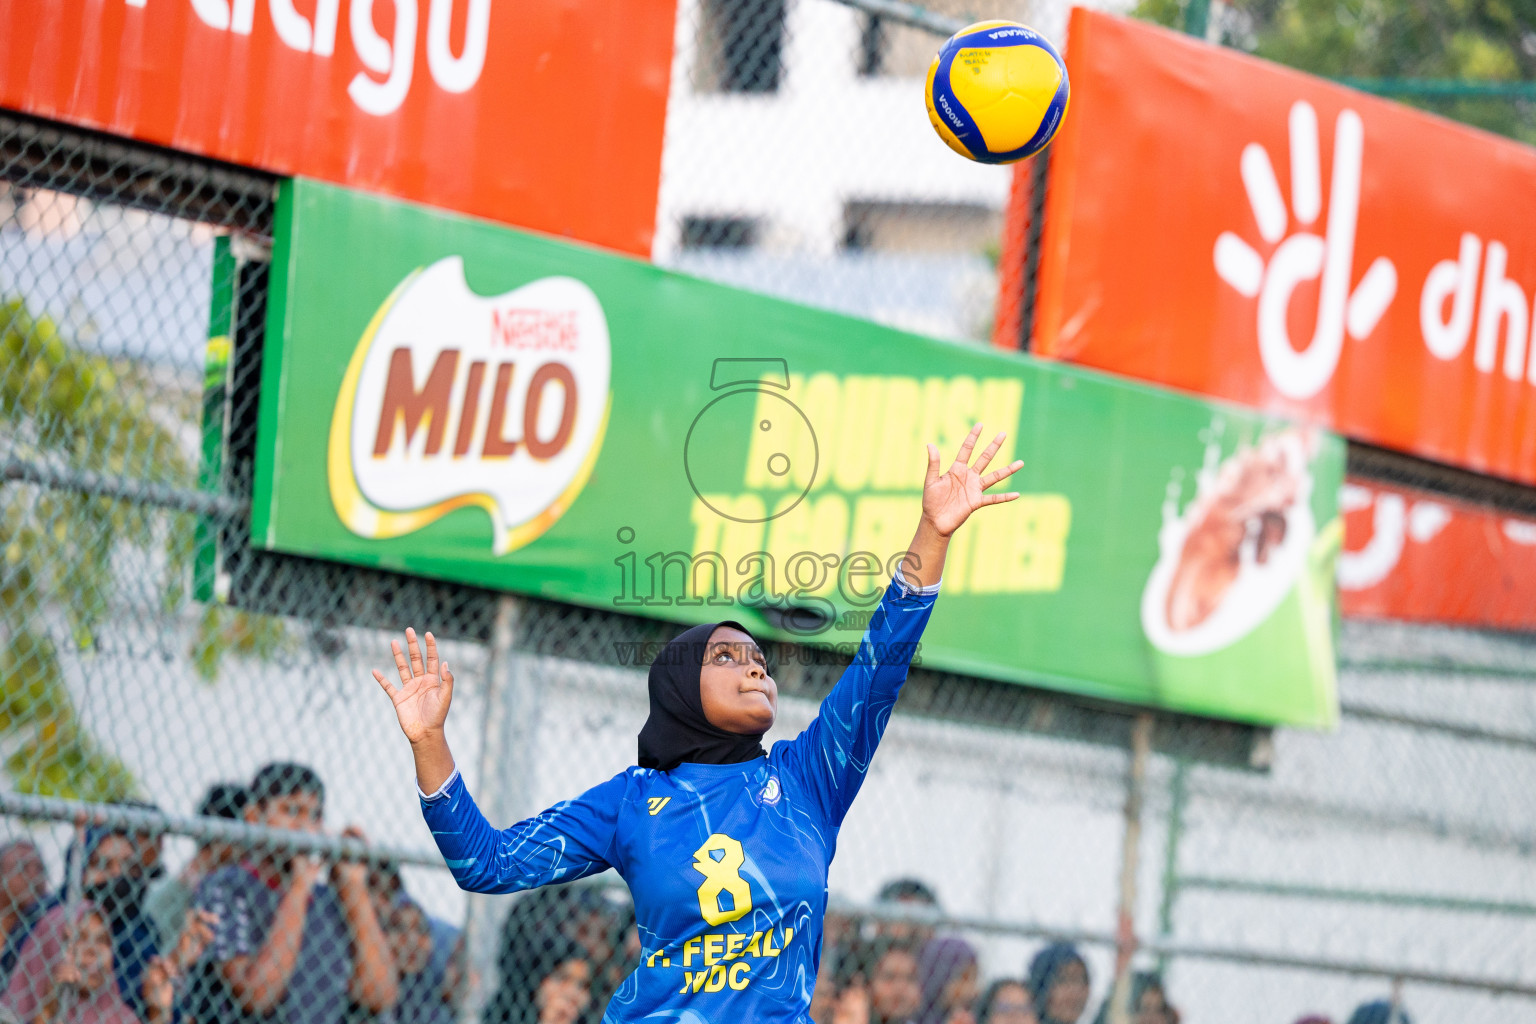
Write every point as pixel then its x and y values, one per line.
pixel 997 92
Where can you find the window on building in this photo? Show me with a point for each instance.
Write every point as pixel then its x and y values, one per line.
pixel 873 226
pixel 719 232
pixel 741 46
pixel 873 43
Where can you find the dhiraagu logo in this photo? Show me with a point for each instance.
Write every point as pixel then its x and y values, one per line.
pixel 455 400
pixel 1300 372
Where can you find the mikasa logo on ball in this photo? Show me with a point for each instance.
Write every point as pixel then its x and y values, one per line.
pixel 949 113
pixel 455 400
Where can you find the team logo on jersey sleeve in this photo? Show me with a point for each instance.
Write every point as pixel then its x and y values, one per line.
pixel 771 792
pixel 656 803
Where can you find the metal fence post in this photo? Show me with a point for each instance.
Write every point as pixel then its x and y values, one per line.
pixel 1197 17
pixel 480 924
pixel 1177 794
pixel 1135 783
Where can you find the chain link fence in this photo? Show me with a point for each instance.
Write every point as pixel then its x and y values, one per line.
pixel 188 725
pixel 799 160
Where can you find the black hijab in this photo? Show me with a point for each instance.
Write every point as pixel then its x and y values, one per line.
pixel 677 730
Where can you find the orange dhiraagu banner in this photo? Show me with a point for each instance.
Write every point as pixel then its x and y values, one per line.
pixel 544 115
pixel 1224 225
pixel 1421 557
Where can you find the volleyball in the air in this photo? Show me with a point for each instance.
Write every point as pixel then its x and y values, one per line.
pixel 997 92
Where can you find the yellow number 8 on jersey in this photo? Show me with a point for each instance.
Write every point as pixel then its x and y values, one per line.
pixel 719 860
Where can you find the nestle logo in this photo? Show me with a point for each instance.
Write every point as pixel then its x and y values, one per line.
pixel 954 118
pixel 534 329
pixel 505 412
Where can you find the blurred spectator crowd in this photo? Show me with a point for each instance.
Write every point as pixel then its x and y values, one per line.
pixel 256 934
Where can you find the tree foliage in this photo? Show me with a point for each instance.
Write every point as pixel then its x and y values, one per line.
pixel 1472 41
pixel 63 552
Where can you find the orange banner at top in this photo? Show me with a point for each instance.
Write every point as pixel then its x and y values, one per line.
pixel 1221 224
pixel 544 115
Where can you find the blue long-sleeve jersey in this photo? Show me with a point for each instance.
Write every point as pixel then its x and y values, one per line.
pixel 727 863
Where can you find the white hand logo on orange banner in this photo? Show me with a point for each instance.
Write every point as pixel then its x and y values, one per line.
pixel 1304 255
pixel 1393 524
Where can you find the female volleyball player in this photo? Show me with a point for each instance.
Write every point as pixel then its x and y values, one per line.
pixel 725 847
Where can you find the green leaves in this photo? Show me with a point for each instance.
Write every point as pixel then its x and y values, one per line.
pixel 1473 41
pixel 59 758
pixel 31 688
pixel 63 552
pixel 65 762
pixel 69 403
pixel 1168 13
pixel 60 408
pixel 224 630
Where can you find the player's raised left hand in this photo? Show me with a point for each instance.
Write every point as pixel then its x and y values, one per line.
pixel 949 497
pixel 425 691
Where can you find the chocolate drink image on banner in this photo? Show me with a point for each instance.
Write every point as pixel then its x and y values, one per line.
pixel 1241 571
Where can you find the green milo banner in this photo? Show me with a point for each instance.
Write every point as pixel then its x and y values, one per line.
pixel 455 399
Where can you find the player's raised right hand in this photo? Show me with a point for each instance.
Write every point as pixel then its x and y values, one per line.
pixel 426 689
